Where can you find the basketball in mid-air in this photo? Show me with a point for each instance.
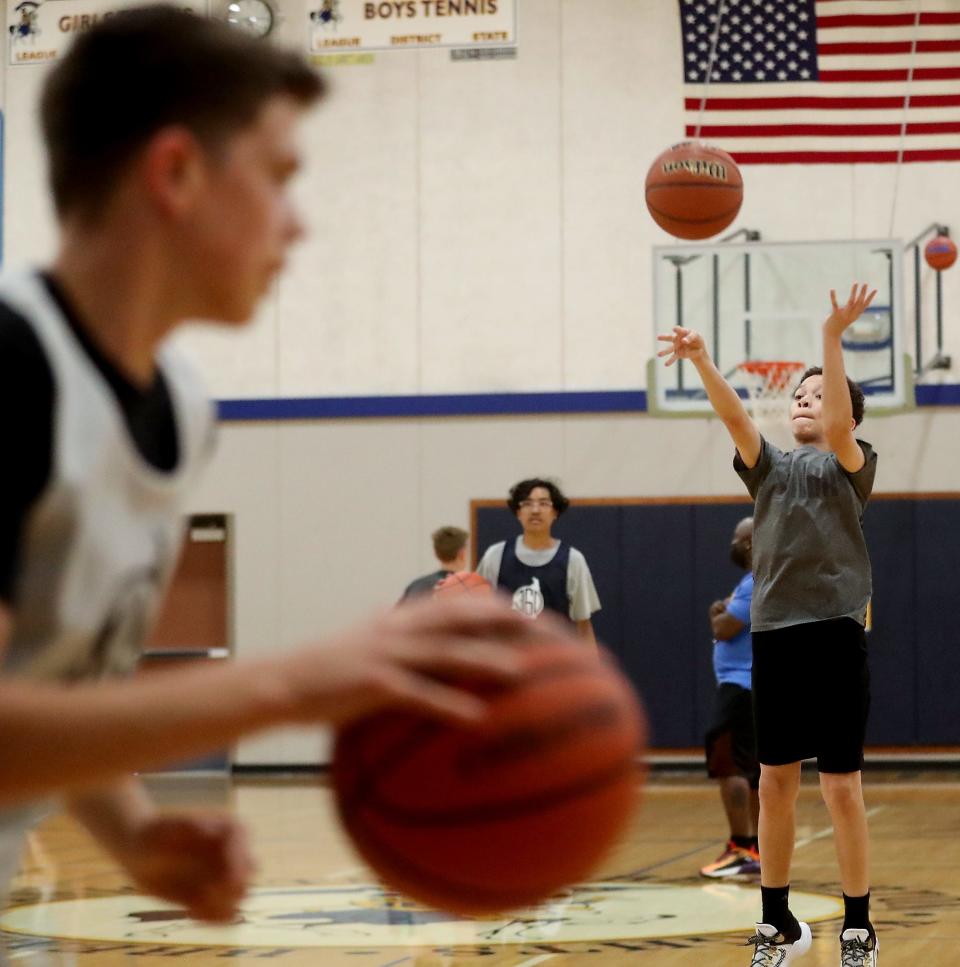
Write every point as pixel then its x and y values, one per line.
pixel 694 190
pixel 462 582
pixel 498 816
pixel 940 252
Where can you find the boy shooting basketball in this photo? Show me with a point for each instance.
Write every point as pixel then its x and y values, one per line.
pixel 171 141
pixel 812 588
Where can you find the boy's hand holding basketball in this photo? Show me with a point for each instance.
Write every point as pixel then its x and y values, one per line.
pixel 843 316
pixel 684 344
pixel 411 657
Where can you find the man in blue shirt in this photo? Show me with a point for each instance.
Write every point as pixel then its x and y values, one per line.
pixel 730 742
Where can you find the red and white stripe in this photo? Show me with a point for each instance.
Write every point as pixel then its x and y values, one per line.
pixel 855 112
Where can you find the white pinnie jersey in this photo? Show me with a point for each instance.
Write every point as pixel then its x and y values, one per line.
pixel 101 541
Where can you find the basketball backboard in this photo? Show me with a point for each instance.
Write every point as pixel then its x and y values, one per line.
pixel 767 301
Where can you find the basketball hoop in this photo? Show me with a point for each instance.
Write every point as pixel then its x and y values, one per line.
pixel 770 384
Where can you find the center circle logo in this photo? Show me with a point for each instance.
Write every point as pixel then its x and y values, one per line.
pixel 352 915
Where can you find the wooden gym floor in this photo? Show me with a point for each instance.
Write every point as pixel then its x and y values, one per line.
pixel 316 905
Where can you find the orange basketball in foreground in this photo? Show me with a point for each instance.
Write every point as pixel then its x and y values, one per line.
pixel 940 252
pixel 694 190
pixel 500 815
pixel 462 582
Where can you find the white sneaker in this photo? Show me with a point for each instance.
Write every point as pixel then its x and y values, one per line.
pixel 773 951
pixel 857 949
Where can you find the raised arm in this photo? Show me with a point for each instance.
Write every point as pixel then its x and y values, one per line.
pixel 837 410
pixel 688 344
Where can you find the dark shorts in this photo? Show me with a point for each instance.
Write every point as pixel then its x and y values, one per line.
pixel 729 743
pixel 811 694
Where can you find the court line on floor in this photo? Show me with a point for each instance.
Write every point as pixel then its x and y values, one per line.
pixel 542 958
pixel 828 830
pixel 346 874
pixel 875 788
pixel 673 859
pixel 820 834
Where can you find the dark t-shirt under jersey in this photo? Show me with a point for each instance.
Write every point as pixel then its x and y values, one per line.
pixel 27 395
pixel 424 585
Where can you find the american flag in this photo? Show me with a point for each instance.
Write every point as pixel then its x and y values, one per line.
pixel 824 81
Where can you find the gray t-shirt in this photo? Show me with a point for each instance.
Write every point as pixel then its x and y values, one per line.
pixel 581 591
pixel 810 560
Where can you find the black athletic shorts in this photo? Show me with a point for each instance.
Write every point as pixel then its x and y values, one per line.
pixel 729 743
pixel 811 694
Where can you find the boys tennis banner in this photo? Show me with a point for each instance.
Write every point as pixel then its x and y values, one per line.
pixel 365 25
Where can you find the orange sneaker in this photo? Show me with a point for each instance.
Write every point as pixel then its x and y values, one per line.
pixel 733 861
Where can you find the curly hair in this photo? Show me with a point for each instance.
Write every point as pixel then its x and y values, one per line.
pixel 521 491
pixel 857 399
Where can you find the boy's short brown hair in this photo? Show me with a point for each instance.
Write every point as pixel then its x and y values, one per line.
pixel 448 542
pixel 140 70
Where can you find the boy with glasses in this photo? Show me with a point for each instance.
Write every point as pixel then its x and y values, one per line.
pixel 536 568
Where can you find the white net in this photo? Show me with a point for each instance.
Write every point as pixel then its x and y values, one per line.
pixel 770 385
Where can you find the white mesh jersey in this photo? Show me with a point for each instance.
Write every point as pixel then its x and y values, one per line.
pixel 101 541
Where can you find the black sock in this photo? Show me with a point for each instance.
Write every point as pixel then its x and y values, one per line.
pixel 856 913
pixel 776 911
pixel 742 841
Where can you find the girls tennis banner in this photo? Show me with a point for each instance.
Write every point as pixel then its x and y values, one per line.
pixel 41 30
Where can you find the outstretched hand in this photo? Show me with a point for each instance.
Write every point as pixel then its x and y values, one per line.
pixel 418 657
pixel 844 316
pixel 684 344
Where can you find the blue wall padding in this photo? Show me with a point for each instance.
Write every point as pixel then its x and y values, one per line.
pixel 657 567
